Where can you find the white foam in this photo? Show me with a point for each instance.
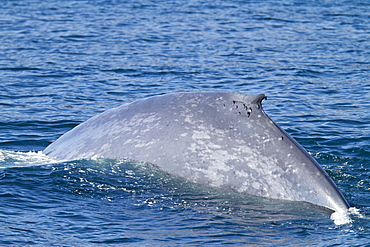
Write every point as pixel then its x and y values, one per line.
pixel 343 218
pixel 23 159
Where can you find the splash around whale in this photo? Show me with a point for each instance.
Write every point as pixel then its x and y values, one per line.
pixel 219 139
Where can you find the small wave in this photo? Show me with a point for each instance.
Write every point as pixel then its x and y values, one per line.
pixel 23 159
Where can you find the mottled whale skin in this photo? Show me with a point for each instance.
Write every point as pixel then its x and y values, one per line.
pixel 219 139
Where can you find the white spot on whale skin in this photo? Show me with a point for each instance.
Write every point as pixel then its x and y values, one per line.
pixel 128 141
pixel 200 135
pixel 256 185
pixel 143 144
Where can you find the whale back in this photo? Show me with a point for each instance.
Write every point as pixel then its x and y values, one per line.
pixel 220 139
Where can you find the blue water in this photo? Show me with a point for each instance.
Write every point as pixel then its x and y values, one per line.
pixel 64 61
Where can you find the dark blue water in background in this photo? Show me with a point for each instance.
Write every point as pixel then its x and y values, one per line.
pixel 62 62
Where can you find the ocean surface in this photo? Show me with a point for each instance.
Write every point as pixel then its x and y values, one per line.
pixel 64 61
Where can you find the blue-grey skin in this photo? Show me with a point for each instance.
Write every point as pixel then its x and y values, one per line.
pixel 220 139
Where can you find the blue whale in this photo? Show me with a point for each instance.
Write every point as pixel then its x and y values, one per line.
pixel 219 139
